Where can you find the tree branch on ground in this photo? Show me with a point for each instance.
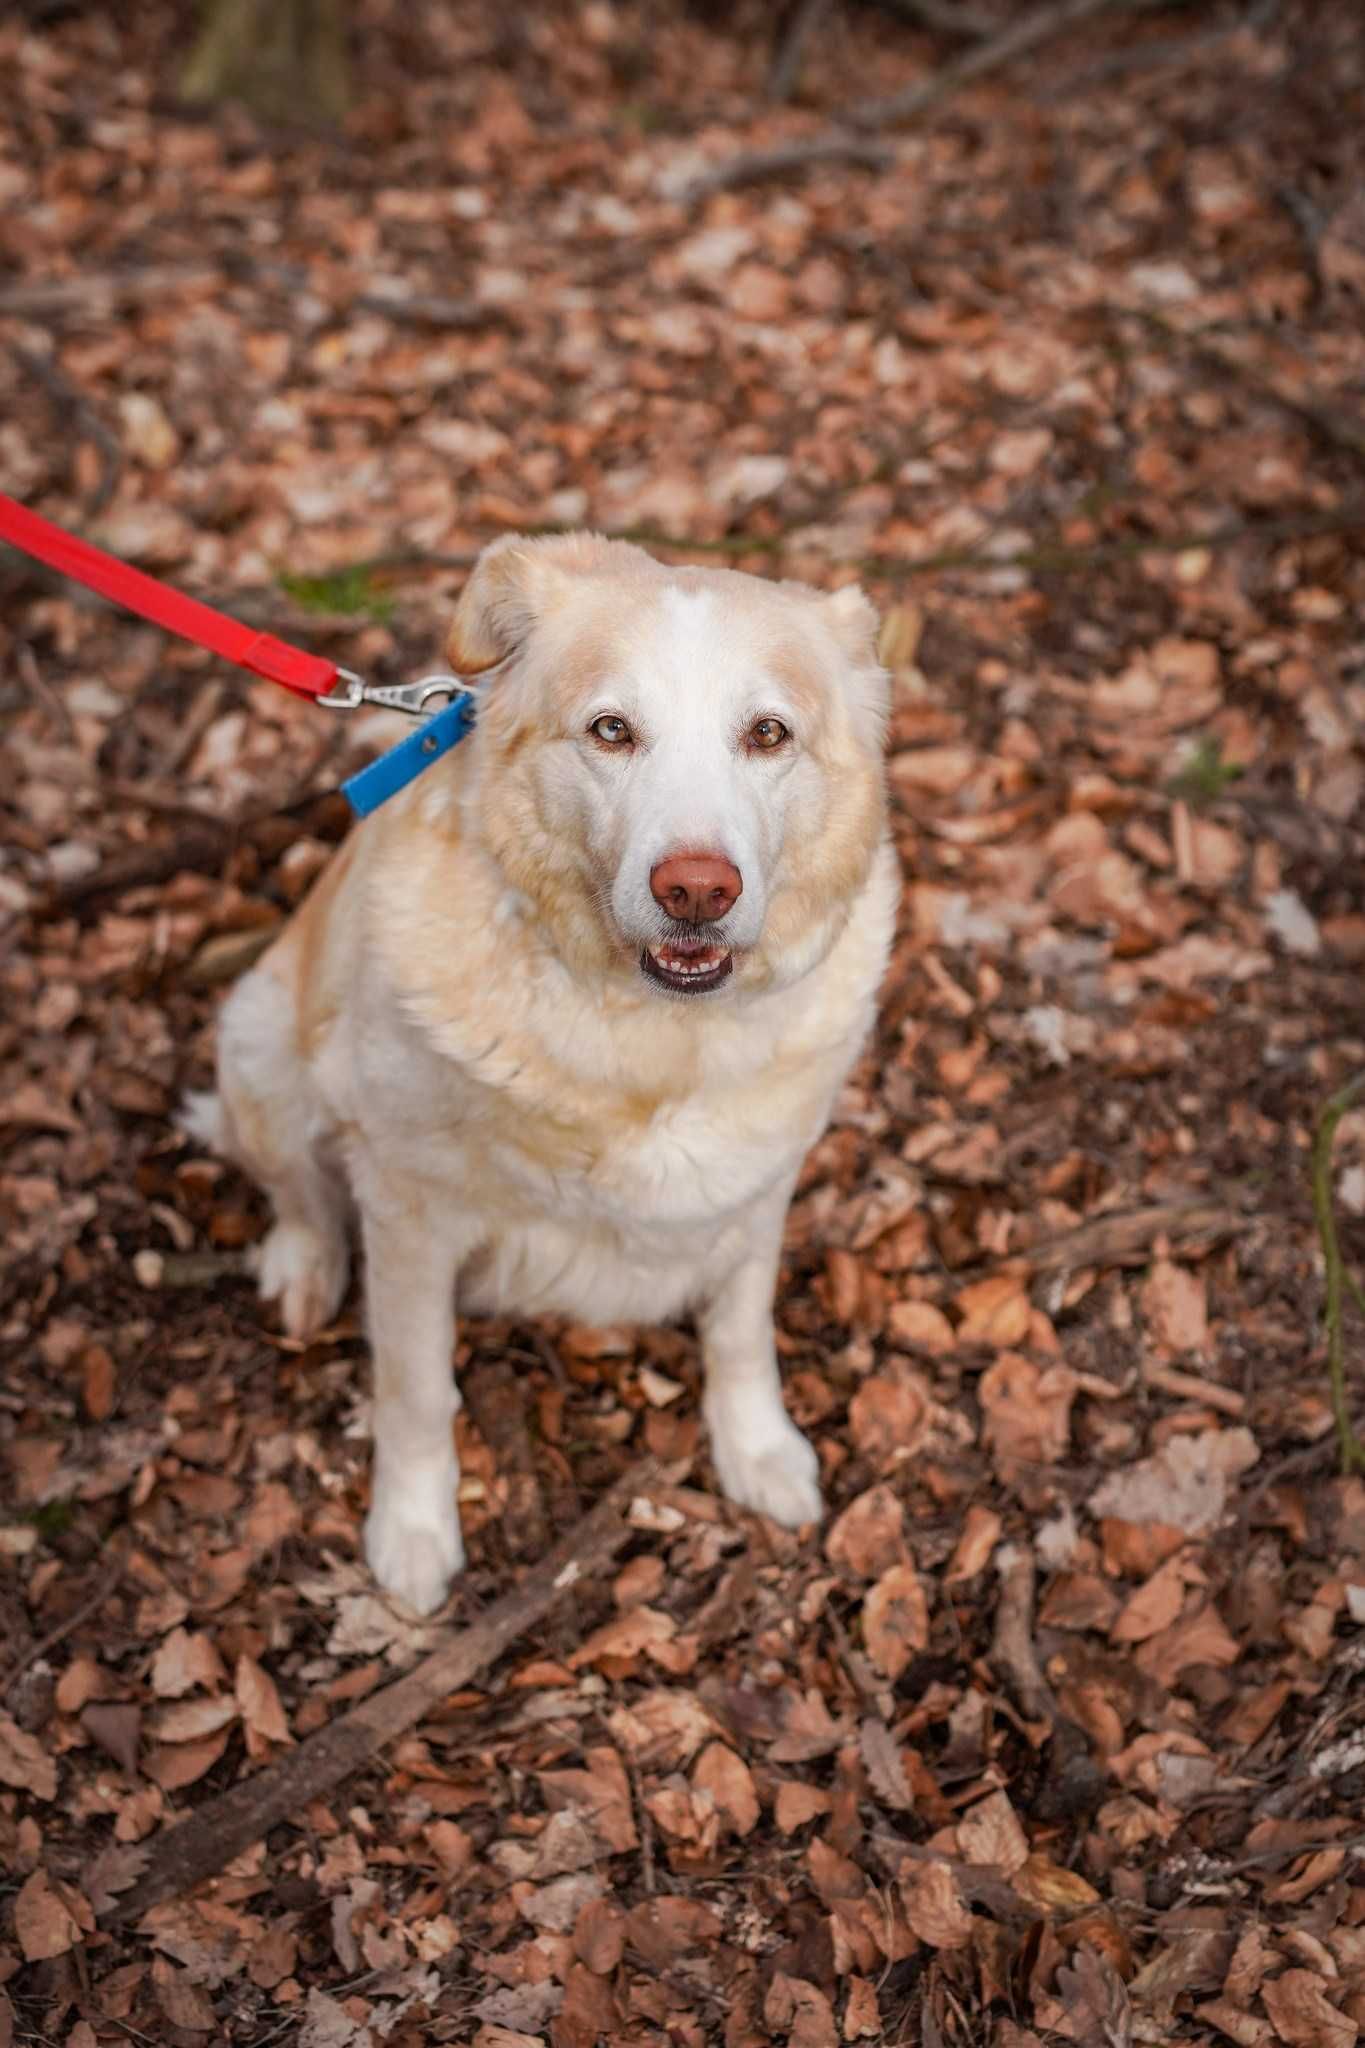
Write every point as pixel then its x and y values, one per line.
pixel 229 1824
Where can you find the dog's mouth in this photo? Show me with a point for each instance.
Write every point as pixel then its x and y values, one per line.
pixel 689 967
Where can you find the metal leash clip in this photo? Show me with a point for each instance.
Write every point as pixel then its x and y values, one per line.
pixel 415 700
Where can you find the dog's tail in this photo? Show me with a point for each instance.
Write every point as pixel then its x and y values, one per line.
pixel 202 1118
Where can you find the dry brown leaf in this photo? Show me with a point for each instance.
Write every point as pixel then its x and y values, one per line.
pixel 919 1326
pixel 889 1418
pixel 1175 1305
pixel 799 2013
pixel 193 1720
pixel 626 1636
pixel 599 1936
pixel 869 1536
pixel 934 1907
pixel 995 1311
pixel 1302 2015
pixel 797 1803
pixel 895 1619
pixel 1184 1485
pixel 259 1702
pixel 43 1920
pixel 1248 2029
pixel 1154 1606
pixel 1048 1885
pixel 807 1729
pixel 885 1767
pixel 980 1534
pixel 600 1794
pixel 989 1832
pixel 1027 1410
pixel 730 1783
pixel 183 1661
pixel 1197 1637
pixel 24 1762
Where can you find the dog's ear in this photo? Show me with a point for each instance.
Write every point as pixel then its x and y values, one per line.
pixel 852 618
pixel 509 588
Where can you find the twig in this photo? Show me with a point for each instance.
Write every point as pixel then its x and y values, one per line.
pixel 225 1826
pixel 1351 1448
pixel 63 1629
pixel 1190 1386
pixel 802 21
pixel 947 16
pixel 1125 1237
pixel 1012 1647
pixel 991 55
pixel 101 290
pixel 73 406
pixel 421 310
pixel 758 165
pixel 42 693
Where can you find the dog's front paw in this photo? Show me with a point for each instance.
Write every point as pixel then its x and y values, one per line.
pixel 779 1475
pixel 306 1271
pixel 414 1555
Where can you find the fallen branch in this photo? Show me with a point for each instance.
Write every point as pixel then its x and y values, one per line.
pixel 785 70
pixel 76 413
pixel 757 166
pixel 1351 1448
pixel 947 16
pixel 228 1825
pixel 992 55
pixel 1126 1236
pixel 1012 1648
pixel 90 1605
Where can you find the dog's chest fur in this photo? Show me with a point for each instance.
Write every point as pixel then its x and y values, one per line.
pixel 609 1152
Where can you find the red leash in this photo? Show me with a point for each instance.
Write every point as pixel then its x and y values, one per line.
pixel 309 675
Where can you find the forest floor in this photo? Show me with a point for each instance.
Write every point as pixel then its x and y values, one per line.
pixel 1056 1728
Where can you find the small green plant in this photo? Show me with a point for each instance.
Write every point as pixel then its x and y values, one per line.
pixel 1204 775
pixel 344 590
pixel 53 1518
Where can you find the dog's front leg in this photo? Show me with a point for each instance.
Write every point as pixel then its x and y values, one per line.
pixel 761 1458
pixel 415 1242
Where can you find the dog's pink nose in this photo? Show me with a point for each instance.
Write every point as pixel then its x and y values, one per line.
pixel 696 888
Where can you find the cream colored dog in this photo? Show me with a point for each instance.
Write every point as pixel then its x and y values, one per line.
pixel 567 1013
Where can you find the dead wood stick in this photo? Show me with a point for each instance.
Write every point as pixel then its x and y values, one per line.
pixel 948 16
pixel 755 167
pixel 800 26
pixel 997 51
pixel 1012 1647
pixel 226 1826
pixel 99 291
pixel 1126 1236
pixel 75 409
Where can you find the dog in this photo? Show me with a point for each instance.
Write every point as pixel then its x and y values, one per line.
pixel 561 1020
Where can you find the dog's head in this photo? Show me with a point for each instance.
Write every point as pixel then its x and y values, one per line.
pixel 679 769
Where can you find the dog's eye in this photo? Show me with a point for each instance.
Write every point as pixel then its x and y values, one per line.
pixel 768 733
pixel 611 731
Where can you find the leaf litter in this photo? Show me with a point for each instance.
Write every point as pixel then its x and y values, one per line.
pixel 1089 342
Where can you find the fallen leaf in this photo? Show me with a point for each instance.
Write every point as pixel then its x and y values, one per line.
pixel 730 1783
pixel 895 1618
pixel 869 1536
pixel 24 1762
pixel 934 1907
pixel 989 1832
pixel 1185 1485
pixel 1175 1306
pixel 1302 2015
pixel 43 1922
